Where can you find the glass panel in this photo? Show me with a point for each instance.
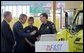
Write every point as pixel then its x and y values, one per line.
pixel 79 19
pixel 24 9
pixel 19 10
pixel 6 8
pixel 28 10
pixel 10 9
pixel 14 11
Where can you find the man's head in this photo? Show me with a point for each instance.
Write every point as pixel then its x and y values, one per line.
pixel 8 16
pixel 43 17
pixel 31 20
pixel 23 18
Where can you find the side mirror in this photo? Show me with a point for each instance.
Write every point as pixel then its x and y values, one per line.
pixel 72 29
pixel 66 19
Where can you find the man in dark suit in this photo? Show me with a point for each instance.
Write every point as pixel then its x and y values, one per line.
pixel 7 37
pixel 20 34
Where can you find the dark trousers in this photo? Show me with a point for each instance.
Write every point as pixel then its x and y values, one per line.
pixel 30 49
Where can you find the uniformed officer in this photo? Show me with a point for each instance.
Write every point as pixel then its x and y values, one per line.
pixel 20 34
pixel 7 36
pixel 46 27
pixel 32 39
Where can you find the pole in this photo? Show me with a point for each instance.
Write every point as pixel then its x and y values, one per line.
pixel 53 10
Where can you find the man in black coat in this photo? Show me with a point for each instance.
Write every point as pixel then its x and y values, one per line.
pixel 30 28
pixel 7 37
pixel 20 34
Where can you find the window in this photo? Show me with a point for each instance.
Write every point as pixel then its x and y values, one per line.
pixel 24 9
pixel 28 10
pixel 16 10
pixel 79 20
pixel 70 17
pixel 10 9
pixel 6 8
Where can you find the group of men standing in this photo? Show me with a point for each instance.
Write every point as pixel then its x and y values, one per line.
pixel 23 39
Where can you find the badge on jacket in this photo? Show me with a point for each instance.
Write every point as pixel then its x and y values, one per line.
pixel 53 26
pixel 47 27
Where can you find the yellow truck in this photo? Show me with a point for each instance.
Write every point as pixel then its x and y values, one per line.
pixel 73 33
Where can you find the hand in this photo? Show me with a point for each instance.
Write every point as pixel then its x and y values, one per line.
pixel 32 33
pixel 14 44
pixel 32 45
pixel 38 38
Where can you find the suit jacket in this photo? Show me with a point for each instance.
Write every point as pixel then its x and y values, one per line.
pixel 7 37
pixel 19 37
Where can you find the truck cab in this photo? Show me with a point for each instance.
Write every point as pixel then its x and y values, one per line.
pixel 73 33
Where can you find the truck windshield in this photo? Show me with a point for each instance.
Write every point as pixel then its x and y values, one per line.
pixel 78 19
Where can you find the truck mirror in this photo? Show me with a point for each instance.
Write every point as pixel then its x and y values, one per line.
pixel 66 19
